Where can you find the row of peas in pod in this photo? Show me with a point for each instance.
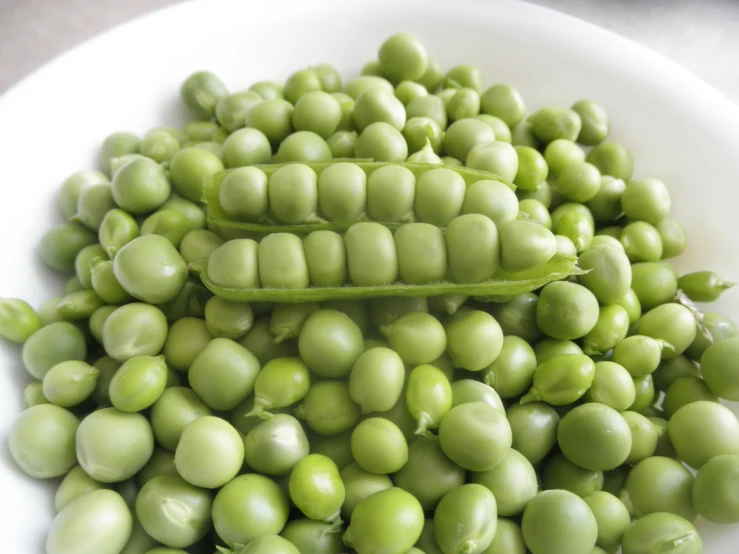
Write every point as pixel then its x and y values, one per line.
pixel 560 414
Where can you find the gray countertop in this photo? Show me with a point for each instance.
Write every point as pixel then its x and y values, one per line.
pixel 701 35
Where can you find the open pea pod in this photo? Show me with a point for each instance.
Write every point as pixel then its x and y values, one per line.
pixel 501 284
pixel 305 197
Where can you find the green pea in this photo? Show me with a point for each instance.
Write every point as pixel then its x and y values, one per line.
pixel 686 390
pixel 561 473
pixel 387 521
pixel 547 524
pixel 711 491
pixel 42 441
pixel 258 341
pixel 70 383
pixel 420 237
pixel 92 204
pixel 672 323
pixel 630 302
pixel 612 517
pixel 248 146
pixel 342 192
pixel 518 317
pixel 465 391
pixel 96 522
pixel 313 536
pixel 140 186
pixel 342 144
pixel 612 386
pixel 316 488
pixel 475 436
pixel 703 286
pixel 642 242
pixel 303 146
pixel 372 259
pixel 117 229
pixel 293 193
pixel 377 104
pixel 639 354
pixel 172 412
pixel 117 145
pixel 134 329
pixel 606 204
pixel 595 122
pixel 609 440
pixel 562 153
pixel 550 124
pixel 160 463
pixel 464 134
pixel 330 342
pixel 74 485
pixel 715 328
pixel 508 539
pixel 325 254
pixel 61 244
pixel 52 344
pixel 492 199
pixel 282 262
pixel 428 397
pixel 499 127
pixel 524 244
pixel 390 194
pixel 718 368
pixel 273 118
pixel 644 387
pixel 186 339
pixel 474 339
pixel 505 102
pixel 653 283
pixel 376 380
pixel 269 544
pixel 378 445
pixel 512 372
pixel 270 90
pixel 522 134
pixel 646 200
pixel 566 310
pixel 466 518
pixel 561 380
pixel 381 142
pixel 420 130
pixel 328 408
pixel 431 107
pixel 72 187
pixel 702 430
pixel 532 168
pixel 201 91
pixel 138 383
pixel 33 395
pixel 275 445
pixel 612 159
pixel 548 348
pixel 674 237
pixel 282 382
pixel 18 320
pixel 234 264
pixel 359 484
pixel 464 103
pixel 513 482
pixel 472 246
pixel 611 327
pixel 532 210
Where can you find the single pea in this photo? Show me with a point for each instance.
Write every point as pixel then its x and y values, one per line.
pixel 316 488
pixel 387 521
pixel 287 320
pixel 138 383
pixel 92 204
pixel 378 446
pixel 430 106
pixel 52 344
pixel 61 244
pixel 606 204
pixel 475 436
pixel 329 77
pixel 466 518
pixel 671 323
pixel 711 492
pixel 275 445
pixel 561 380
pixel 595 437
pixel 113 446
pixel 79 305
pixel 703 286
pixel 172 412
pixel 308 535
pixel 522 134
pixel 561 473
pixel 303 146
pixel 501 130
pixel 33 395
pixel 372 259
pixel 328 408
pixel 717 367
pixel 550 124
pixel 472 247
pixel 385 311
pixel 686 390
pixel 359 484
pixel 548 522
pixel 566 310
pixel 612 386
pixel 505 102
pixel 474 340
pixel 645 393
pixel 465 391
pixel 464 75
pixel 160 463
pixel 204 131
pixel 612 517
pixel 390 194
pixel 596 125
pixel 579 181
pixel 532 210
pixel 492 199
pixel 269 90
pixel 702 430
pixel 293 193
pixel 464 103
pixel 611 327
pixel 534 429
pixel 342 192
pixel 282 262
pixel 613 159
pixel 342 144
pixel 428 397
pixel 74 485
pixel 140 186
pixel 330 342
pixel 245 147
pixel 201 91
pixel 381 142
pixel 402 56
pixel 645 436
pixel 639 354
pixel 258 341
pixel 513 482
pixel 18 320
pixel 376 380
pixel 421 130
pixel 420 237
pixel 418 338
pixel 674 237
pixel 653 283
pixel 659 531
pixel 282 382
pixel 117 229
pixel 73 186
pixel 464 134
pixel 273 118
pixel 70 383
pixel 116 145
pixel 512 372
pixel 642 242
pixel 518 317
pixel 407 91
pixel 269 544
pixel 524 245
pixel 532 168
pixel 106 285
pixel 548 348
pixel 187 337
pixel 565 208
pixel 204 434
pixel 231 110
pixel 561 154
pixel 325 254
pixel 508 539
pixel 134 329
pixel 378 104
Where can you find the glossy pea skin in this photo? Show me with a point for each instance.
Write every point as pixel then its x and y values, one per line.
pixel 703 286
pixel 672 323
pixel 505 102
pixel 328 408
pixel 313 536
pixel 674 237
pixel 474 339
pixel 659 484
pixel 595 122
pixel 499 158
pixel 561 380
pixel 388 521
pixel 507 540
pixel 524 245
pixel 293 193
pixel 273 118
pixel 342 192
pixel 595 437
pixel 472 248
pixel 547 524
pixel 172 412
pixel 325 253
pixel 135 329
pixel 55 343
pixel 316 488
pixel 641 242
pixel 378 104
pixel 611 327
pixel 548 348
pixel 532 168
pixel 561 153
pixel 140 186
pixel 372 259
pixel 428 396
pixel 534 429
pixel 513 482
pixel 646 200
pixel 661 532
pixel 242 148
pixel 70 383
pixel 561 473
pixel 376 380
pixel 41 441
pixel 342 144
pixel 653 283
pixel 209 434
pixel 612 386
pixel 96 523
pixel 719 369
pixel 711 493
pixel 464 134
pixel 430 106
pixel 138 383
pixel 466 519
pixel 61 244
pixel 566 310
pixel 359 484
pixel 645 393
pixel 223 374
pixel 73 186
pixel 235 264
pixel 467 427
pixel 187 337
pixel 18 320
pixel 113 446
pixel 512 372
pixel 381 142
pixel 116 145
pixel 93 203
pixel 329 343
pixel 378 446
pixel 280 383
pixel 465 391
pixel 418 338
pixel 201 91
pixel 702 430
pixel 492 199
pixel 303 146
pixel 439 196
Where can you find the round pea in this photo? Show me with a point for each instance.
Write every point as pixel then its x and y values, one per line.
pixel 562 153
pixel 513 482
pixel 466 518
pixel 524 245
pixel 561 473
pixel 711 492
pixel 512 372
pixel 209 434
pixel 273 119
pixel 135 329
pixel 390 194
pixel 378 446
pixel 613 159
pixel 505 102
pixel 235 264
pixel 595 437
pixel 313 536
pixel 325 254
pixel 561 380
pixel 674 237
pixel 612 517
pixel 282 382
pixel 330 342
pixel 342 192
pixel 659 531
pixel 381 142
pixel 328 408
pixel 430 106
pixel 293 193
pixel 61 244
pixel 72 187
pixel 566 310
pixel 464 134
pixel 359 484
pixel 242 148
pixel 50 345
pixel 172 412
pixel 612 386
pixel 316 488
pixel 642 242
pixel 550 124
pixel 659 484
pixel 69 383
pixel 671 323
pixel 548 522
pixel 474 339
pixel 115 146
pixel 703 430
pixel 140 186
pixel 376 380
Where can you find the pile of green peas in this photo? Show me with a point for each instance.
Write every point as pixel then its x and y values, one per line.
pixel 583 417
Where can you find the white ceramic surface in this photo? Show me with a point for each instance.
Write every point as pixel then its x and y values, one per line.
pixel 678 128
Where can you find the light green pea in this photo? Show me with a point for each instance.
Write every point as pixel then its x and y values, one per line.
pixel 428 397
pixel 18 320
pixel 561 380
pixel 376 380
pixel 281 382
pixel 70 383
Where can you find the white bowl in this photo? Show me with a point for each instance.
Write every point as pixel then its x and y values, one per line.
pixel 678 128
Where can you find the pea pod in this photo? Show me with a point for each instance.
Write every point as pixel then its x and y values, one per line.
pixel 272 215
